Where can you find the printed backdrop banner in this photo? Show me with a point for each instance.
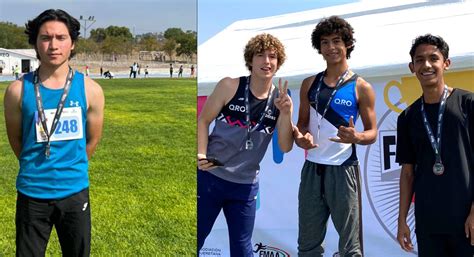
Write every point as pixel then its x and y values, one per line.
pixel 276 225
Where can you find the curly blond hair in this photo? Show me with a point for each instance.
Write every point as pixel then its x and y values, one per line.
pixel 259 44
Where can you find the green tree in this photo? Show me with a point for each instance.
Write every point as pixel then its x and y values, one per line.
pixel 169 47
pixel 98 35
pixel 118 45
pixel 115 31
pixel 186 42
pixel 174 33
pixel 187 45
pixel 148 42
pixel 88 46
pixel 13 36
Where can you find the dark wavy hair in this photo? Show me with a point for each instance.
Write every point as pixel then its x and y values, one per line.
pixel 33 26
pixel 334 25
pixel 430 40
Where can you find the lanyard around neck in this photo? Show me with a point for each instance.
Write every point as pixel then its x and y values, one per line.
pixel 318 89
pixel 59 109
pixel 435 142
pixel 247 108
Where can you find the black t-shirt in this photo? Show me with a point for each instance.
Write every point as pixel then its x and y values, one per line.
pixel 442 203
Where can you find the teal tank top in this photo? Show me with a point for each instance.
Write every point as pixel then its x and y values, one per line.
pixel 64 173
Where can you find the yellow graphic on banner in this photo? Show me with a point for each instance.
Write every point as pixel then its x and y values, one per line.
pixel 410 88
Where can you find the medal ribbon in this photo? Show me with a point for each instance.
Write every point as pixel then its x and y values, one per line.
pixel 59 109
pixel 435 142
pixel 247 108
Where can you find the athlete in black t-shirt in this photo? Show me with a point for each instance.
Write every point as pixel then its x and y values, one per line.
pixel 435 143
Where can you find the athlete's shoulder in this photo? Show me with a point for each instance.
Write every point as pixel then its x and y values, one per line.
pixel 225 90
pixel 362 83
pixel 413 108
pixel 228 81
pixel 465 98
pixel 14 90
pixel 463 93
pixel 94 92
pixel 91 85
pixel 227 84
pixel 309 79
pixel 307 82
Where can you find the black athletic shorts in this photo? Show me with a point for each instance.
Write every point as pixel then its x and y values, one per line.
pixel 35 219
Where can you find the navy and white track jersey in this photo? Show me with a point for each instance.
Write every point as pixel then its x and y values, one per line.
pixel 342 107
pixel 227 140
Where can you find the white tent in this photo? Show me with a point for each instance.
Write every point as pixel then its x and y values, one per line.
pixel 384 31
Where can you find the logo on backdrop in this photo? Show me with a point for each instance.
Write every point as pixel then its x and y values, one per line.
pixel 382 176
pixel 409 88
pixel 262 250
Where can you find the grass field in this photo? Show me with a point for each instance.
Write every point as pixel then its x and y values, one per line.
pixel 142 176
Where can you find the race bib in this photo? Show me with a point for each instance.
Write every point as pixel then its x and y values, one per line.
pixel 69 126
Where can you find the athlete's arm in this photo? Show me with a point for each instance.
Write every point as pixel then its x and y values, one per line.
pixel 12 105
pixel 301 133
pixel 366 98
pixel 95 115
pixel 221 95
pixel 284 125
pixel 469 224
pixel 406 194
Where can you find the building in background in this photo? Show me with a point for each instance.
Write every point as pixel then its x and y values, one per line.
pixel 24 58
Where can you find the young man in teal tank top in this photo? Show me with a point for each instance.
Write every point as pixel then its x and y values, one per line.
pixel 330 103
pixel 54 120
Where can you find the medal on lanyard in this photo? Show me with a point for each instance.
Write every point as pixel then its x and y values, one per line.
pixel 249 143
pixel 59 109
pixel 339 82
pixel 438 167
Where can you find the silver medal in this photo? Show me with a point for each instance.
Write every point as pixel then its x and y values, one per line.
pixel 438 168
pixel 249 144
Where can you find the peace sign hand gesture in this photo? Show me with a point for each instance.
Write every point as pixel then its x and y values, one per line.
pixel 283 101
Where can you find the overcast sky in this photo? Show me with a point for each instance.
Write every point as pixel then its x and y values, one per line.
pixel 140 16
